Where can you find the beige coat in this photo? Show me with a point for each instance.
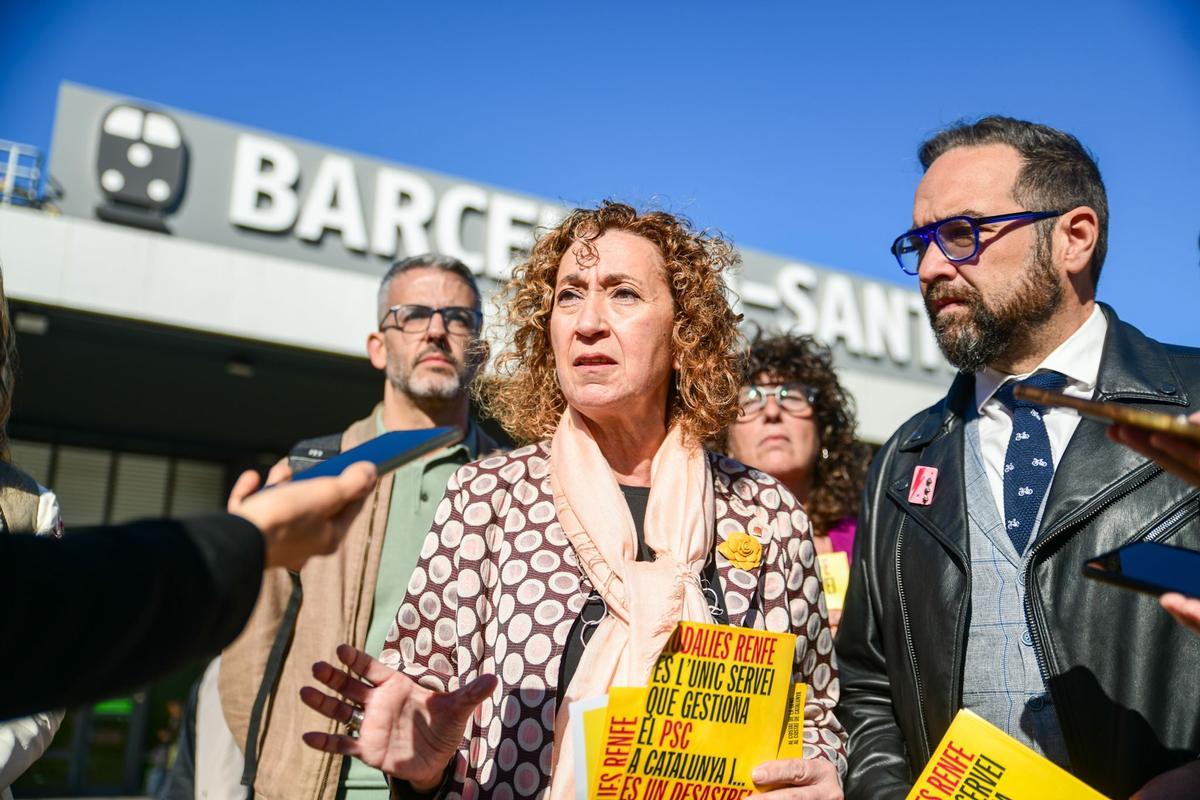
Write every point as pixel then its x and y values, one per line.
pixel 339 592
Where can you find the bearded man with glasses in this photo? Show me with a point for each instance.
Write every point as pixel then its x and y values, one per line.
pixel 427 345
pixel 967 588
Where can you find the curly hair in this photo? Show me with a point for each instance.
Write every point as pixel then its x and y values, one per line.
pixel 524 396
pixel 838 479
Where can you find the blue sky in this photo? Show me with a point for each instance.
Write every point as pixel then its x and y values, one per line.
pixel 790 126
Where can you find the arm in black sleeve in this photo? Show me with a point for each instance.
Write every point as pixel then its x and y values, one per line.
pixel 106 610
pixel 878 762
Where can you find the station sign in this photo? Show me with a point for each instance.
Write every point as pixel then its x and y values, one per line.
pixel 136 163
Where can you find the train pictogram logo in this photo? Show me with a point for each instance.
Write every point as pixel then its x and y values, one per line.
pixel 142 165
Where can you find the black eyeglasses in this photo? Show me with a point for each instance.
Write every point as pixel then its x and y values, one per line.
pixel 792 398
pixel 458 320
pixel 956 237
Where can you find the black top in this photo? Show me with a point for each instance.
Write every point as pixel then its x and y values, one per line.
pixel 104 611
pixel 636 497
pixel 594 609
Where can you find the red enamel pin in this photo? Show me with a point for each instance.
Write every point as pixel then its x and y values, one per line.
pixel 924 480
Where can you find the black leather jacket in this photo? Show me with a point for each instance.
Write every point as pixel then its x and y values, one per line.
pixel 1124 677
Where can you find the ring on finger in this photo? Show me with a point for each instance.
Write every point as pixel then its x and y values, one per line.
pixel 354 725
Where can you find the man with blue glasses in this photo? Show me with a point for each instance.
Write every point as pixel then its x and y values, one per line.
pixel 979 513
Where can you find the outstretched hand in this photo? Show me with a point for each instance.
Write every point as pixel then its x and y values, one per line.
pixel 407 731
pixel 1185 609
pixel 301 520
pixel 1175 454
pixel 1180 457
pixel 1179 783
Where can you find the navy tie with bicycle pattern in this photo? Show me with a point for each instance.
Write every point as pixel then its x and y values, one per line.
pixel 1028 463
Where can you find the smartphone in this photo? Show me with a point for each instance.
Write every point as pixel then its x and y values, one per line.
pixel 1175 424
pixel 1149 567
pixel 386 452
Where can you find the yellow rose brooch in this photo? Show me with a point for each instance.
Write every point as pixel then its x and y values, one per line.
pixel 742 550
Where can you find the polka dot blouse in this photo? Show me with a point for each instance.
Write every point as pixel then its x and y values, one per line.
pixel 498 589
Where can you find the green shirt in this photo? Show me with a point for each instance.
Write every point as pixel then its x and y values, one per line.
pixel 417 489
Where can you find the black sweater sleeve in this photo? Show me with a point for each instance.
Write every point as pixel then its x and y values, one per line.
pixel 106 610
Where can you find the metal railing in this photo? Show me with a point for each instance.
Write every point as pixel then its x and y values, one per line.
pixel 21 169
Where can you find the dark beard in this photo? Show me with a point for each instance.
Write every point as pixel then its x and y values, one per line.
pixel 983 335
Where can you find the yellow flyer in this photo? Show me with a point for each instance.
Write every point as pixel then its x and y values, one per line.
pixel 715 708
pixel 587 729
pixel 835 577
pixel 791 742
pixel 977 759
pixel 610 743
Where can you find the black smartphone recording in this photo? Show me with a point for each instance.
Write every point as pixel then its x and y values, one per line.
pixel 1149 567
pixel 386 452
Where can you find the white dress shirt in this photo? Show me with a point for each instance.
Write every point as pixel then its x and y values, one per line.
pixel 1079 359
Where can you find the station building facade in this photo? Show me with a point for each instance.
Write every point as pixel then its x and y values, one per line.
pixel 197 296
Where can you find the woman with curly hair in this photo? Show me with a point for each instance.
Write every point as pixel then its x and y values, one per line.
pixel 796 423
pixel 560 569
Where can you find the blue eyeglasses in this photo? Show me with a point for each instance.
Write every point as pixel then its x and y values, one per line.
pixel 956 237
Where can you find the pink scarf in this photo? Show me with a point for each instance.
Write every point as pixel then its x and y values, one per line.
pixel 645 600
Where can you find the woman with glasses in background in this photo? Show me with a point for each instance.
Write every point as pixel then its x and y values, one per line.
pixel 797 424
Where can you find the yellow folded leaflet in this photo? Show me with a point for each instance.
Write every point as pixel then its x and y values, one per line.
pixel 835 578
pixel 977 761
pixel 720 701
pixel 791 742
